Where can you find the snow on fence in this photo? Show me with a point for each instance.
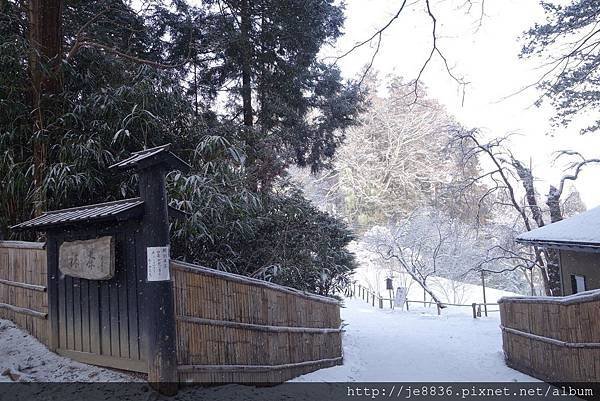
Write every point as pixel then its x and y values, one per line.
pixel 360 291
pixel 23 296
pixel 553 339
pixel 230 328
pixel 233 328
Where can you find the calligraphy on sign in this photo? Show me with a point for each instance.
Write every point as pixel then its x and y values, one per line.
pixel 158 263
pixel 92 259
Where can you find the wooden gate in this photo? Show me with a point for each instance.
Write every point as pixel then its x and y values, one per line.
pixel 109 288
pixel 111 298
pixel 98 321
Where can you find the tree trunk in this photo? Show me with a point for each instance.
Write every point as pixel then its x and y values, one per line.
pixel 422 283
pixel 552 277
pixel 553 203
pixel 527 180
pixel 245 26
pixel 552 256
pixel 45 35
pixel 252 161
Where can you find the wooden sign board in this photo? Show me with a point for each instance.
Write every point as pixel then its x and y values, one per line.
pixel 92 259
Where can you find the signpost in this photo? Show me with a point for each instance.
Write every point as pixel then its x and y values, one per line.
pixel 400 299
pixel 389 285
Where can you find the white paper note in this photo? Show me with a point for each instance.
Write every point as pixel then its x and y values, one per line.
pixel 158 263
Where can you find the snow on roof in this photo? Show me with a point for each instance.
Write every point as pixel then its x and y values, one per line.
pixel 83 214
pixel 582 230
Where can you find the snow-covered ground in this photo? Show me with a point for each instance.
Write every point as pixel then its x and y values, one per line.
pixel 379 345
pixel 23 358
pixel 386 345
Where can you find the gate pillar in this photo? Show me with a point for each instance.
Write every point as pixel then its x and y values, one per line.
pixel 159 330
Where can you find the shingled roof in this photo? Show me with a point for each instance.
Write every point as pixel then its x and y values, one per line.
pixel 117 210
pixel 580 231
pixel 149 157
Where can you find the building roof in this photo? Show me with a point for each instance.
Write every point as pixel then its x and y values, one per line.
pixel 580 231
pixel 117 210
pixel 149 157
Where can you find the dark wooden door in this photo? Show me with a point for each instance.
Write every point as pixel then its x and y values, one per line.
pixel 99 321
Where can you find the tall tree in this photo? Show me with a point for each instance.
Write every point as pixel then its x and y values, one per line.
pixel 127 84
pixel 504 177
pixel 263 55
pixel 397 159
pixel 45 38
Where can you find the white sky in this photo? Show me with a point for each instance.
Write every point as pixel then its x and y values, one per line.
pixel 487 58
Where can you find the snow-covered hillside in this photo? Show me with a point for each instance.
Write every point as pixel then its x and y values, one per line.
pixel 386 345
pixel 372 275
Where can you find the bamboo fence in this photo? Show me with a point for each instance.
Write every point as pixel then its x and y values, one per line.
pixel 553 339
pixel 230 328
pixel 233 328
pixel 23 296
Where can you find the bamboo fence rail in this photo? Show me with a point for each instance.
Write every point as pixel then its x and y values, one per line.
pixel 23 296
pixel 232 328
pixel 553 339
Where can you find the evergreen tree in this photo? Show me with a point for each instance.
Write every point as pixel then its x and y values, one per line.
pixel 263 56
pixel 129 79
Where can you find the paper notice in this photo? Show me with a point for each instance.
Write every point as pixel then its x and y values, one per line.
pixel 158 263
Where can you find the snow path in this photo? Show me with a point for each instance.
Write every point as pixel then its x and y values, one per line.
pixel 379 345
pixel 384 345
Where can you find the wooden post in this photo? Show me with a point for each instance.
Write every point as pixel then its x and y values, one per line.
pixel 474 305
pixel 391 300
pixel 531 283
pixel 159 311
pixel 52 289
pixel 439 310
pixel 406 302
pixel 484 300
pixel 380 302
pixel 373 299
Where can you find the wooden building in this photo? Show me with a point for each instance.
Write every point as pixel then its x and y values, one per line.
pixel 577 240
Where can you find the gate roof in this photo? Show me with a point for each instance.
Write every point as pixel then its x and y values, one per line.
pixel 117 210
